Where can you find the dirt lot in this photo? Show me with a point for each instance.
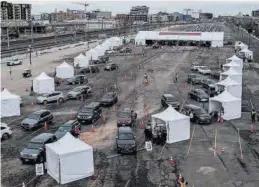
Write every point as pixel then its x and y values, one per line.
pixel 149 169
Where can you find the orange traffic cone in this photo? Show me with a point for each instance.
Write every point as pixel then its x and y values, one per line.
pixel 142 125
pixel 171 161
pixel 92 128
pixel 103 118
pixel 252 128
pixel 45 126
pixel 23 184
pixel 32 105
pixel 222 150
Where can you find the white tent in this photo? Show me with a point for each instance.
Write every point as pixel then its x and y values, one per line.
pixel 232 74
pixel 64 71
pixel 177 124
pixel 233 64
pixel 247 53
pixel 10 104
pixel 241 46
pixel 81 61
pixel 231 105
pixel 100 50
pixel 107 45
pixel 92 54
pixel 43 84
pixel 235 59
pixel 69 159
pixel 116 41
pixel 233 87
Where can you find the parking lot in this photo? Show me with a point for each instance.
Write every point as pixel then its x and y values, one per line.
pixel 200 167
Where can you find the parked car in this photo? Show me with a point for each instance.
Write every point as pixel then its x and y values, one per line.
pixel 169 99
pixel 79 92
pixel 109 99
pixel 204 70
pixel 111 66
pixel 37 119
pixel 126 117
pixel 104 59
pixel 156 46
pixel 77 79
pixel 215 75
pixel 69 126
pixel 211 92
pixel 51 97
pixel 110 52
pixel 125 141
pixel 90 69
pixel 195 66
pixel 200 116
pixel 194 78
pixel 6 131
pixel 35 151
pixel 199 95
pixel 14 62
pixel 126 50
pixel 90 113
pixel 208 84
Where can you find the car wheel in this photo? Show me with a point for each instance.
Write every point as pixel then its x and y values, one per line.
pixel 45 102
pixel 198 99
pixel 73 83
pixel 118 152
pixel 23 161
pixel 5 136
pixel 60 100
pixel 189 95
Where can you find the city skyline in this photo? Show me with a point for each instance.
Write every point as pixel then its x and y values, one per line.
pixel 229 8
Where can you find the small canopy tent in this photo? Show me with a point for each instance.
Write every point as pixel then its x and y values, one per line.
pixel 81 61
pixel 64 71
pixel 107 45
pixel 10 104
pixel 92 54
pixel 177 124
pixel 241 46
pixel 237 67
pixel 43 84
pixel 100 49
pixel 235 59
pixel 233 87
pixel 247 54
pixel 116 41
pixel 231 105
pixel 232 74
pixel 69 159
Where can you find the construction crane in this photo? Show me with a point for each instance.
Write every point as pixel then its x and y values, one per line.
pixel 80 3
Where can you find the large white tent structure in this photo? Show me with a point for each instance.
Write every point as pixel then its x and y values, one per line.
pixel 247 54
pixel 10 104
pixel 235 59
pixel 177 124
pixel 100 49
pixel 69 159
pixel 81 61
pixel 232 74
pixel 64 71
pixel 233 64
pixel 231 105
pixel 233 87
pixel 43 84
pixel 107 45
pixel 92 54
pixel 116 41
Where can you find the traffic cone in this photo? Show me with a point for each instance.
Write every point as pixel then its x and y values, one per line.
pixel 185 85
pixel 32 105
pixel 45 126
pixel 23 184
pixel 115 86
pixel 103 118
pixel 171 161
pixel 252 128
pixel 222 150
pixel 92 128
pixel 114 108
pixel 142 125
pixel 26 89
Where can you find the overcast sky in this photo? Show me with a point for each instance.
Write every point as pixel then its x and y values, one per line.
pixel 123 6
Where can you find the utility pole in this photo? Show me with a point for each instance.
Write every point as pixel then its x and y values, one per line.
pixel 8 42
pixel 31 31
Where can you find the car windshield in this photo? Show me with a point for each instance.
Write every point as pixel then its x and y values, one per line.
pixel 34 116
pixel 64 129
pixel 202 93
pixel 87 110
pixel 107 96
pixel 170 99
pixel 205 68
pixel 34 145
pixel 124 114
pixel 200 111
pixel 125 136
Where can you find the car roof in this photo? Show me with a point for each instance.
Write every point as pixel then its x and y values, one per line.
pixel 40 111
pixel 125 130
pixel 42 137
pixel 168 95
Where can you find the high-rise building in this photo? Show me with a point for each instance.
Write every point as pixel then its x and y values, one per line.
pixel 11 11
pixel 255 13
pixel 138 13
pixel 102 14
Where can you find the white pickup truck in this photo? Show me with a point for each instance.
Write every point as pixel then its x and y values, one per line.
pixel 14 62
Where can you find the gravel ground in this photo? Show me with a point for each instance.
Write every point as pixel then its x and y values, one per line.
pixel 149 169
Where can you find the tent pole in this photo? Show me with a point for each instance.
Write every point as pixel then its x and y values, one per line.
pixel 215 145
pixel 59 175
pixel 191 140
pixel 241 152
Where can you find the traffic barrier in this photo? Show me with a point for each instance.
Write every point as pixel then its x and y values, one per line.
pixel 171 161
pixel 252 128
pixel 45 126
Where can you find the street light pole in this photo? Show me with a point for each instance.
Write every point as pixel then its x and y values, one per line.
pixel 30 47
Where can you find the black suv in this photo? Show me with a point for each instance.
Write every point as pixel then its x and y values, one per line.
pixel 126 117
pixel 169 99
pixel 35 151
pixel 90 113
pixel 69 126
pixel 194 79
pixel 90 69
pixel 125 141
pixel 198 95
pixel 78 79
pixel 37 119
pixel 208 83
pixel 109 99
pixel 200 116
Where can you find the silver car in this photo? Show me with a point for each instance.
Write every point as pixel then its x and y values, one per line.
pixel 78 92
pixel 51 97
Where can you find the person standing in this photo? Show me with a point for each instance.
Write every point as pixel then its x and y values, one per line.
pixel 191 115
pixel 253 114
pixel 10 72
pixel 176 77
